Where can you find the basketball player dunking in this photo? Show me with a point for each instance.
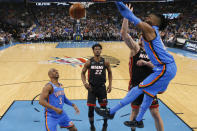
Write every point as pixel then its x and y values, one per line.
pixel 53 98
pixel 140 67
pixel 96 67
pixel 164 66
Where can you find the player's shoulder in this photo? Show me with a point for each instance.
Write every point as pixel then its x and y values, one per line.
pixel 102 58
pixel 48 85
pixel 91 58
pixel 107 63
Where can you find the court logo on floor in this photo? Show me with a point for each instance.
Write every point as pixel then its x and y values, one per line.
pixel 69 61
pixel 80 61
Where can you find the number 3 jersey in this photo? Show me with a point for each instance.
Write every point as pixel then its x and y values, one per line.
pixel 97 72
pixel 57 99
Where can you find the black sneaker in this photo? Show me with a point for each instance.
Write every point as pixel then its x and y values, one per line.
pixel 92 128
pixel 104 128
pixel 134 123
pixel 104 112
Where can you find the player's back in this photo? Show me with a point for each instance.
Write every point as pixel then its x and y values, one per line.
pixel 156 50
pixel 56 98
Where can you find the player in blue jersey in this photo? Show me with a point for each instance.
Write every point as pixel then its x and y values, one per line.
pixel 164 66
pixel 53 98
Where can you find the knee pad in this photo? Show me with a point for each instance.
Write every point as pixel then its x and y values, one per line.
pixel 91 111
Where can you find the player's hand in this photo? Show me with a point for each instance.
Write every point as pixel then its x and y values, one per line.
pixel 109 88
pixel 141 62
pixel 129 7
pixel 88 87
pixel 76 109
pixel 58 111
pixel 124 10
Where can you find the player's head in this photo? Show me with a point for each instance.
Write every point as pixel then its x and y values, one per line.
pixel 53 73
pixel 97 48
pixel 157 20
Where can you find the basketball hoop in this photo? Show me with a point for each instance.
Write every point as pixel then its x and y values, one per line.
pixel 86 4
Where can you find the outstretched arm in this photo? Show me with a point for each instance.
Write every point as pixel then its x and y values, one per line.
pixel 148 31
pixel 134 47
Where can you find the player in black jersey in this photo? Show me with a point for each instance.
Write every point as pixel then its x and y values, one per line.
pixel 96 67
pixel 139 67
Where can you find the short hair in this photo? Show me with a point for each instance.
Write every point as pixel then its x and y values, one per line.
pixel 96 45
pixel 163 21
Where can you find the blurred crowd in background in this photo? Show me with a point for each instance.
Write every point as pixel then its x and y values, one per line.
pixel 25 23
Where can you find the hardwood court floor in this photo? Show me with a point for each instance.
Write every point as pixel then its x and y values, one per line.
pixel 24 70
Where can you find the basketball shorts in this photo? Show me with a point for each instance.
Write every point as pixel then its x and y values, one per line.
pixel 97 92
pixel 51 121
pixel 137 102
pixel 158 81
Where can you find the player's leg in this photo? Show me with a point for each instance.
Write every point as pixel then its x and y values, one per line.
pixel 133 116
pixel 143 108
pixel 91 102
pixel 135 105
pixel 65 122
pixel 153 84
pixel 130 97
pixel 91 117
pixel 154 109
pixel 50 123
pixel 102 100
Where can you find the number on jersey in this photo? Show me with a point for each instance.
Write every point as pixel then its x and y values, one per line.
pixel 60 100
pixel 98 72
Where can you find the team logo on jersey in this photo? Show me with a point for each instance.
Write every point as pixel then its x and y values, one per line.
pixel 69 61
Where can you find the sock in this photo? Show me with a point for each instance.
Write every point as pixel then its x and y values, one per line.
pixel 105 122
pixel 92 123
pixel 144 106
pixel 130 97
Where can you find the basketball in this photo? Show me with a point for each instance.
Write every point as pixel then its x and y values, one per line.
pixel 77 11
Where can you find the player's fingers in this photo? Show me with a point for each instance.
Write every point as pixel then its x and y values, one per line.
pixel 108 90
pixel 131 8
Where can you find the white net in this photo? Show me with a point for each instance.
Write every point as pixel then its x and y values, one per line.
pixel 86 4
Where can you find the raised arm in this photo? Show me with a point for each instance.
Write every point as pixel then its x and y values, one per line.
pixel 134 47
pixel 148 31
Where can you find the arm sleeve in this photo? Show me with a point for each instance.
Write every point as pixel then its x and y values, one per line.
pixel 67 101
pixel 127 13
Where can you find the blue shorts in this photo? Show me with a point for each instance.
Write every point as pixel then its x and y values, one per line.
pixel 158 81
pixel 51 121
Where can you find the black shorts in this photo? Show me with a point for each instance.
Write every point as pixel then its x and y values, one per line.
pixel 138 101
pixel 97 92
